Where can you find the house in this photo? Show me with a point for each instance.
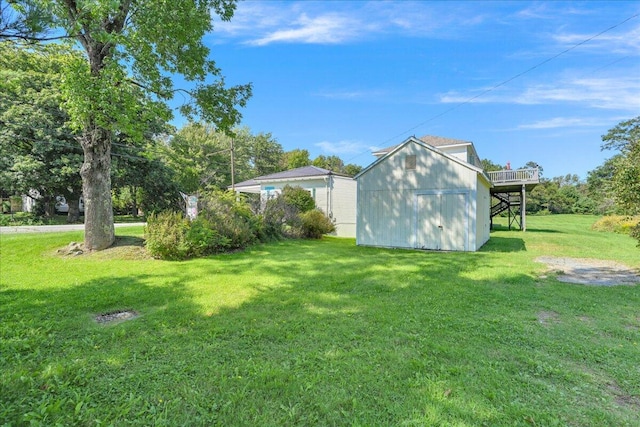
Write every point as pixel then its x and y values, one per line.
pixel 425 193
pixel 334 194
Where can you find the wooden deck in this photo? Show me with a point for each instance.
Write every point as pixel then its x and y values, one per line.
pixel 511 181
pixel 509 191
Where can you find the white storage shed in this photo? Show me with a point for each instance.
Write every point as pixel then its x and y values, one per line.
pixel 416 195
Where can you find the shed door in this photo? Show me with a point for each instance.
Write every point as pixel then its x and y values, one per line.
pixel 441 221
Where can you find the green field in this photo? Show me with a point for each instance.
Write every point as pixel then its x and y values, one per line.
pixel 320 333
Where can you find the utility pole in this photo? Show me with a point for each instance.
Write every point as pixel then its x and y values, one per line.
pixel 233 179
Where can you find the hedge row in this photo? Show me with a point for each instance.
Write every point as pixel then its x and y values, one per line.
pixel 226 222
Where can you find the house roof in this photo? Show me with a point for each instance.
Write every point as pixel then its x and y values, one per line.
pixel 303 172
pixel 297 174
pixel 435 141
pixel 429 146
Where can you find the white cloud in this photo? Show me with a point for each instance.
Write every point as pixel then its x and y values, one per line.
pixel 565 122
pixel 263 23
pixel 344 147
pixel 614 41
pixel 324 29
pixel 621 93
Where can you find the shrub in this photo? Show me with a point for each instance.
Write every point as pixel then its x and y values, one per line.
pixel 228 215
pixel 315 223
pixel 203 239
pixel 635 233
pixel 281 219
pixel 20 218
pixel 165 235
pixel 616 224
pixel 298 197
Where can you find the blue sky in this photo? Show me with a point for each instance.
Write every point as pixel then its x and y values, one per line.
pixel 345 77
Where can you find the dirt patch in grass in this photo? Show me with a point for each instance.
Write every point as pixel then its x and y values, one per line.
pixel 591 271
pixel 124 248
pixel 622 398
pixel 547 317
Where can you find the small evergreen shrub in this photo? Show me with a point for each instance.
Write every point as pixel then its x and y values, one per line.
pixel 315 223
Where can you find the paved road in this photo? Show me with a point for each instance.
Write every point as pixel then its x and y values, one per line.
pixel 56 228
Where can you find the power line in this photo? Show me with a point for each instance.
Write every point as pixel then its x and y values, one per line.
pixel 505 82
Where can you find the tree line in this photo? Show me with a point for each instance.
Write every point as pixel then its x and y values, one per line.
pixel 611 188
pixel 39 149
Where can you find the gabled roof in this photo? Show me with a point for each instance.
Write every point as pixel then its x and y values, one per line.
pixel 435 141
pixel 430 147
pixel 439 141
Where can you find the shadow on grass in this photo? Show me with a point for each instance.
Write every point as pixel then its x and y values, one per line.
pixel 504 244
pixel 544 230
pixel 327 334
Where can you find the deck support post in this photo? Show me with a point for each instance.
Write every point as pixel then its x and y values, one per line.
pixel 523 208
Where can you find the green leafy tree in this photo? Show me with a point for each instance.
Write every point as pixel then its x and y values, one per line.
pixel 599 184
pixel 130 45
pixel 265 155
pixel 625 182
pixel 352 169
pixel 489 166
pixel 332 163
pixel 199 156
pixel 296 159
pixel 38 150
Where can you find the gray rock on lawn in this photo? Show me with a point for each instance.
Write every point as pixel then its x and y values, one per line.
pixel 73 249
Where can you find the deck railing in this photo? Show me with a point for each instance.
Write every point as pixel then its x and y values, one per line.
pixel 516 175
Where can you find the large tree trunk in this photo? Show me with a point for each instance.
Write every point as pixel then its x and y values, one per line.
pixel 96 189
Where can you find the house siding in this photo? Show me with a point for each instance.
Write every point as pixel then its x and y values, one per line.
pixel 343 205
pixel 392 201
pixel 334 195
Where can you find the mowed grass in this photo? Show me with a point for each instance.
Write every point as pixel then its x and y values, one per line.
pixel 320 333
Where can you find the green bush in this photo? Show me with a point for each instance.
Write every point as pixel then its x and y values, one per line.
pixel 635 233
pixel 20 218
pixel 231 217
pixel 203 239
pixel 616 224
pixel 298 197
pixel 315 223
pixel 281 219
pixel 166 236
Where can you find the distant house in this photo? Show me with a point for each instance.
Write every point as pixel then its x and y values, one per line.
pixel 425 193
pixel 334 194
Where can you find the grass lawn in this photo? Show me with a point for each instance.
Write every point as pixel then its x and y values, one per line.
pixel 320 333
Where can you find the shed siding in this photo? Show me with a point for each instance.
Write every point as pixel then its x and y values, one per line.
pixel 483 213
pixel 388 204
